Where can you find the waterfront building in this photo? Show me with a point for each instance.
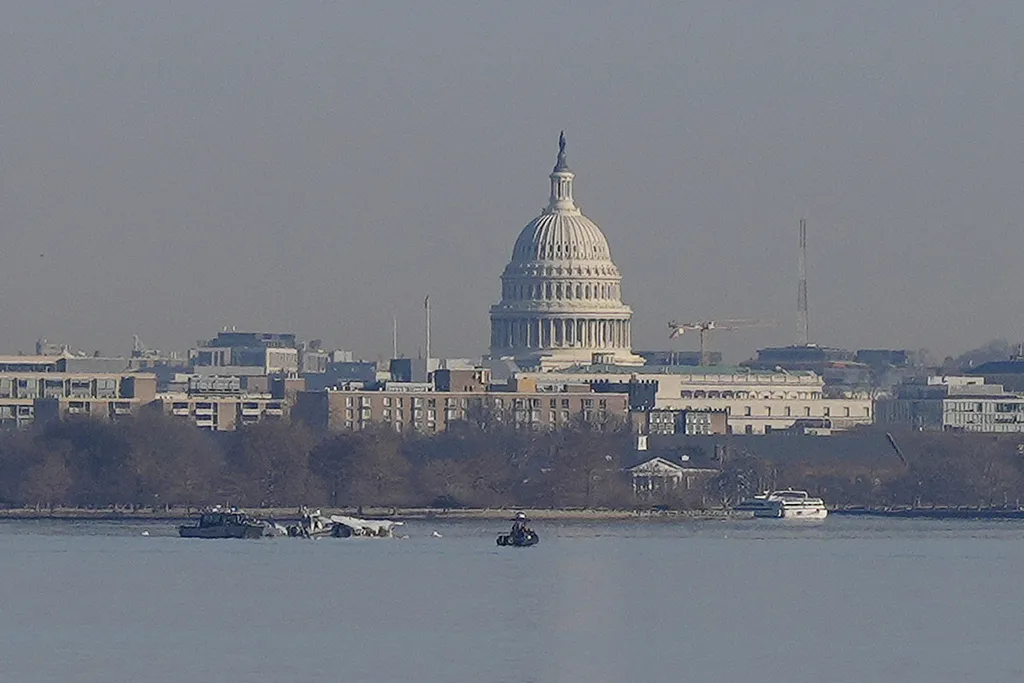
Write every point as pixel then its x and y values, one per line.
pixel 561 293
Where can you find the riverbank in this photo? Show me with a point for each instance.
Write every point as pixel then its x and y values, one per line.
pixel 115 513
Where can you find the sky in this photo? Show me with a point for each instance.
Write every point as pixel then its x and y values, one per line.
pixel 169 169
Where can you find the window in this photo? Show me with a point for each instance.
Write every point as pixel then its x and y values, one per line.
pixel 826 412
pixel 807 411
pixel 768 411
pixel 387 400
pixel 565 403
pixel 348 401
pixel 746 411
pixel 554 403
pixel 789 411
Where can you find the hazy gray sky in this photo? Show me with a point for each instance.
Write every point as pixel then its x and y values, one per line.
pixel 169 168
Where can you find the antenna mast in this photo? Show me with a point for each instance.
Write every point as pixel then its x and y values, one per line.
pixel 394 336
pixel 426 312
pixel 801 294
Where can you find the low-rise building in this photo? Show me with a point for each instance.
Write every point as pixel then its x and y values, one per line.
pixel 681 422
pixel 754 402
pixel 221 412
pixel 659 477
pixel 41 387
pixel 434 411
pixel 949 403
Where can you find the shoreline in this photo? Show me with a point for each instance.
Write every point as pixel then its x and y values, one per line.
pixel 292 514
pixel 288 514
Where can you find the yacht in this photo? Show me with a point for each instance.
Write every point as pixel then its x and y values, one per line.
pixel 786 504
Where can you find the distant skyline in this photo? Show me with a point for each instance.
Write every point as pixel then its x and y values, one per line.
pixel 169 169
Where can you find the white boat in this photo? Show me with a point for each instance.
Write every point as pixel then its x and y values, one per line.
pixel 786 504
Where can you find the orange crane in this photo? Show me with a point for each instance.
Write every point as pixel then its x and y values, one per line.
pixel 705 326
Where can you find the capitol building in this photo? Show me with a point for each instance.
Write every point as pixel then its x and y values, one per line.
pixel 561 302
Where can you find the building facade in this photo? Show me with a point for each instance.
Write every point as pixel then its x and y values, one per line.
pixel 960 404
pixel 40 387
pixel 434 411
pixel 561 293
pixel 753 402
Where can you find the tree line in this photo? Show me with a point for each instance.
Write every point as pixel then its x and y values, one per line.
pixel 155 460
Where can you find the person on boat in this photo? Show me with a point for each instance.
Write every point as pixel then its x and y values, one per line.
pixel 519 526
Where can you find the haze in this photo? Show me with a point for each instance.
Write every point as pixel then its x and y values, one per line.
pixel 170 168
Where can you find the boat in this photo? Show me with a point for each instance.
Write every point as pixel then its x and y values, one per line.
pixel 787 504
pixel 521 535
pixel 218 523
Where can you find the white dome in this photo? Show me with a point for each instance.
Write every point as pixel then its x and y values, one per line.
pixel 561 236
pixel 560 296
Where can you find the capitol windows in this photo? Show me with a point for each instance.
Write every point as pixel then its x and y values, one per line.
pixel 547 291
pixel 579 291
pixel 558 291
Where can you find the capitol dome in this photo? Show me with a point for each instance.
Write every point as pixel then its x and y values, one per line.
pixel 560 293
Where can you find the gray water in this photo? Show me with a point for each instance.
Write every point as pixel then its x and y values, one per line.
pixel 845 600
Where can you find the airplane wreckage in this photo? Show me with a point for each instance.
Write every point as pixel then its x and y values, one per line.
pixel 233 523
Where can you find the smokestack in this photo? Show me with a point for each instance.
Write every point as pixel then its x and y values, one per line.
pixel 801 295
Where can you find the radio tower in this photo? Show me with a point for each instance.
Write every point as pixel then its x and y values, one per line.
pixel 801 294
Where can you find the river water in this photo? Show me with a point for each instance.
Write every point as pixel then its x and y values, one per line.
pixel 849 599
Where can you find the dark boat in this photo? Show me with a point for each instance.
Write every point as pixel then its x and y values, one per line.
pixel 527 538
pixel 222 524
pixel 521 535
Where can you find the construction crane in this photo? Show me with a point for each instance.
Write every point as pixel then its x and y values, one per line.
pixel 705 326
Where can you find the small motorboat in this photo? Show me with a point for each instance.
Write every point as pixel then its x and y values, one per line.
pixel 521 536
